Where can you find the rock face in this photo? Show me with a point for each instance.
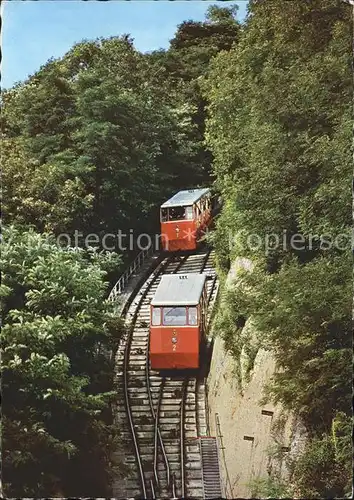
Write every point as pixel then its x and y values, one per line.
pixel 254 439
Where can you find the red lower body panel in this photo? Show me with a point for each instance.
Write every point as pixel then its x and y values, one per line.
pixel 175 245
pixel 174 361
pixel 183 235
pixel 178 236
pixel 168 354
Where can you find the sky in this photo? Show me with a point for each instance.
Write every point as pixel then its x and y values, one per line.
pixel 35 31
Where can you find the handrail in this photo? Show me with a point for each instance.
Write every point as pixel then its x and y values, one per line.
pixel 124 278
pixel 219 437
pixel 207 408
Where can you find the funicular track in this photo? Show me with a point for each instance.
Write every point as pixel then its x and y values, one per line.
pixel 163 414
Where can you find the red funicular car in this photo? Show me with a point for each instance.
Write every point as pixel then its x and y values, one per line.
pixel 184 218
pixel 177 326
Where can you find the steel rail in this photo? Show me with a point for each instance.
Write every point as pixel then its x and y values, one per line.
pixel 125 376
pixel 130 417
pixel 212 288
pixel 158 441
pixel 174 496
pixel 196 393
pixel 183 404
pixel 182 422
pixel 197 381
pixel 155 415
pixel 157 433
pixel 156 274
pixel 152 489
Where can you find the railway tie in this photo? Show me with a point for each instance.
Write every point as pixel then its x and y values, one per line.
pixel 160 420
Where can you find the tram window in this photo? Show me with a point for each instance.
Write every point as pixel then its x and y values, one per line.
pixel 177 213
pixel 192 316
pixel 156 316
pixel 164 214
pixel 174 316
pixel 189 213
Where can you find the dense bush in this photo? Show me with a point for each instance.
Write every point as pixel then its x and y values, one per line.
pixel 57 333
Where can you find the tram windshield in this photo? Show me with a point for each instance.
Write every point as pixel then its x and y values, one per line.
pixel 174 316
pixel 164 214
pixel 156 316
pixel 176 213
pixel 189 213
pixel 192 316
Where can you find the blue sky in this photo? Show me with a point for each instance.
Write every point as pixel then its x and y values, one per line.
pixel 34 31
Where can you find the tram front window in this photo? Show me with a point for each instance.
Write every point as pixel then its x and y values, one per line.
pixel 164 214
pixel 174 316
pixel 193 316
pixel 189 213
pixel 156 316
pixel 177 213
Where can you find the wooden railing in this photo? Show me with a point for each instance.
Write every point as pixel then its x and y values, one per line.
pixel 124 278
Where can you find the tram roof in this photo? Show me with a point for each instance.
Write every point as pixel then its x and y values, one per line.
pixel 179 290
pixel 185 198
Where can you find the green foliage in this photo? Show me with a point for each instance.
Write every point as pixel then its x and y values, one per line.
pixel 282 154
pixel 319 473
pixel 104 134
pixel 218 32
pixel 308 328
pixel 187 61
pixel 93 142
pixel 279 127
pixel 342 433
pixel 57 382
pixel 220 15
pixel 100 140
pixel 269 488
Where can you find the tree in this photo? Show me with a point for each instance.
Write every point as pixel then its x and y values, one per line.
pixel 279 105
pixel 57 375
pixel 101 142
pixel 219 15
pixel 318 473
pixel 187 60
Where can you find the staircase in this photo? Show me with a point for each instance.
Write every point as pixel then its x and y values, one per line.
pixel 210 468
